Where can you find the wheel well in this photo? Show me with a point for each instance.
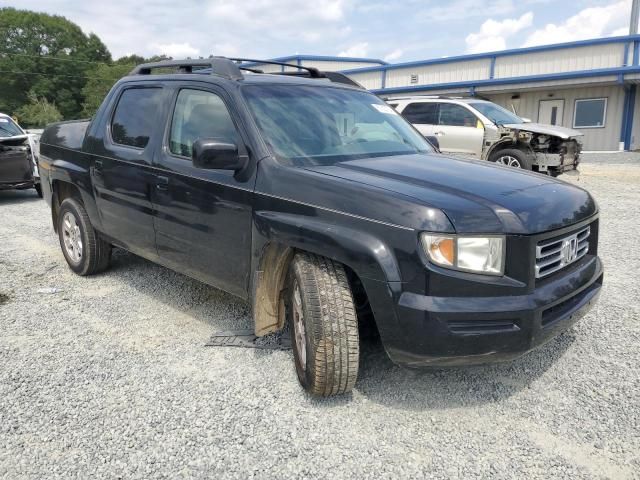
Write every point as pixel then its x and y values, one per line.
pixel 269 285
pixel 62 190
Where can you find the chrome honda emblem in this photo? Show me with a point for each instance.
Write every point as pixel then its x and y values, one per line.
pixel 569 249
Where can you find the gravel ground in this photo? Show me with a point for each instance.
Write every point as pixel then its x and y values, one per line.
pixel 108 377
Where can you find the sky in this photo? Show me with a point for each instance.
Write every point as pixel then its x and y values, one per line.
pixel 392 31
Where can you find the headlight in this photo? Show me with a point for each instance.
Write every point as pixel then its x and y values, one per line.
pixel 467 253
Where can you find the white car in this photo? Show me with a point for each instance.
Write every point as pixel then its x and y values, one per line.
pixel 482 129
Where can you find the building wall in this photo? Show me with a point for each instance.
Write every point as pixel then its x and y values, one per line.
pixel 562 60
pixel 605 138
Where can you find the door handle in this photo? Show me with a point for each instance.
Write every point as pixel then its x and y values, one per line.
pixel 162 183
pixel 439 134
pixel 97 168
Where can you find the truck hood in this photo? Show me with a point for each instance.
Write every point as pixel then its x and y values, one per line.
pixel 554 130
pixel 476 196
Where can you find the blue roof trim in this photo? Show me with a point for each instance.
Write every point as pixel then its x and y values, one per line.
pixel 503 53
pixel 512 80
pixel 325 58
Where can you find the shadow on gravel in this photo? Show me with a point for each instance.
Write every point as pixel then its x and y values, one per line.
pixel 439 389
pixel 379 379
pixel 13 197
pixel 203 303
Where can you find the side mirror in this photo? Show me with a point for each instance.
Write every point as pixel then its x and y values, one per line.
pixel 214 154
pixel 433 140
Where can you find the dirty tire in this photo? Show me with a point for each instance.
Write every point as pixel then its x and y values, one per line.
pixel 331 342
pixel 96 252
pixel 521 157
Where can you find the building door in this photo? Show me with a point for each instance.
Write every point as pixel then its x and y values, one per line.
pixel 551 112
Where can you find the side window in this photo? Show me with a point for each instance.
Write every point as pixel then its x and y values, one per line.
pixel 199 114
pixel 456 116
pixel 135 116
pixel 421 113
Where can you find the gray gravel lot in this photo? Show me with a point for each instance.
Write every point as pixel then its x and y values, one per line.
pixel 108 377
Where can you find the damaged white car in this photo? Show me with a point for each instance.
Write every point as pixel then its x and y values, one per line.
pixel 482 129
pixel 18 157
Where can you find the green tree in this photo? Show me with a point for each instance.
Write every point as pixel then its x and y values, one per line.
pixel 48 55
pixel 38 112
pixel 104 77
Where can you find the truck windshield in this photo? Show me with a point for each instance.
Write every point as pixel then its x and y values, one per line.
pixel 308 125
pixel 8 128
pixel 496 113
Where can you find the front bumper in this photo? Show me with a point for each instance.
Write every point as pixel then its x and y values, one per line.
pixel 447 331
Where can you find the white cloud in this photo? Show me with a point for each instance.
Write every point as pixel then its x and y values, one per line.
pixel 357 50
pixel 589 23
pixel 493 34
pixel 394 55
pixel 176 50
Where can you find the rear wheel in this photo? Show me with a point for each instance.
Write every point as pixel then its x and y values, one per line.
pixel 512 157
pixel 323 325
pixel 85 252
pixel 38 188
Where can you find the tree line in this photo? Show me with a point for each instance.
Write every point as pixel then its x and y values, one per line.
pixel 50 70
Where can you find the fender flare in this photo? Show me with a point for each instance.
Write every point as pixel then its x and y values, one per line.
pixel 276 238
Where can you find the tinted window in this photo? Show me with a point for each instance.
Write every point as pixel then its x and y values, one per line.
pixel 456 116
pixel 422 113
pixel 135 116
pixel 197 115
pixel 8 128
pixel 590 113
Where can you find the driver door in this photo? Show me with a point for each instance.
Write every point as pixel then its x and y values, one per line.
pixel 203 217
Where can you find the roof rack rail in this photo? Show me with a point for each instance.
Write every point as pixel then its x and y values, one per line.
pixel 334 77
pixel 313 72
pixel 219 66
pixel 231 68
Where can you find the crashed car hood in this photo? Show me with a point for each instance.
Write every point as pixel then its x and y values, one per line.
pixel 476 196
pixel 556 131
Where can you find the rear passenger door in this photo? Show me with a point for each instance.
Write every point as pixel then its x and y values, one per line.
pixel 203 219
pixel 122 167
pixel 423 116
pixel 458 130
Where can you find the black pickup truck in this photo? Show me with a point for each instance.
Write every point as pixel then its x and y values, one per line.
pixel 318 203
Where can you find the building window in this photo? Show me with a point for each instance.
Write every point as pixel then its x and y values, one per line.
pixel 590 113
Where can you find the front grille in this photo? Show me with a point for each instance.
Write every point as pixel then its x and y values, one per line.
pixel 555 254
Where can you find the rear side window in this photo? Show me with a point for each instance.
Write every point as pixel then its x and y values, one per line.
pixel 421 113
pixel 456 116
pixel 135 116
pixel 198 115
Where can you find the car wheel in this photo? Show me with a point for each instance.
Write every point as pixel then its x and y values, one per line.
pixel 38 188
pixel 512 157
pixel 85 252
pixel 323 325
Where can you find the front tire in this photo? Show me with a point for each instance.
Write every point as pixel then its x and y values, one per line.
pixel 83 249
pixel 512 157
pixel 323 325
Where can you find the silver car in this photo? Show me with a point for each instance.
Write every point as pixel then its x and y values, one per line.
pixel 482 129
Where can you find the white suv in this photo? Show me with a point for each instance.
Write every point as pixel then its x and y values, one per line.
pixel 482 129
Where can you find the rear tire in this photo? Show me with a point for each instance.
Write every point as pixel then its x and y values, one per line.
pixel 38 189
pixel 512 157
pixel 323 325
pixel 83 249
